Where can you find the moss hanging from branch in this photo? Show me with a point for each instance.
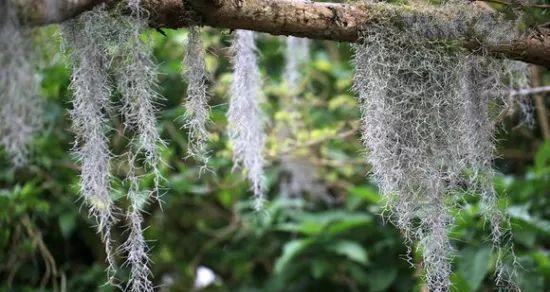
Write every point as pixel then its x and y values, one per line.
pixel 298 174
pixel 428 111
pixel 245 117
pixel 135 246
pixel 296 55
pixel 135 73
pixel 86 37
pixel 21 110
pixel 102 40
pixel 197 110
pixel 428 131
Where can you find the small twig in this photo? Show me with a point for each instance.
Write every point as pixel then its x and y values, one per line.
pixel 49 261
pixel 540 105
pixel 506 112
pixel 509 111
pixel 529 91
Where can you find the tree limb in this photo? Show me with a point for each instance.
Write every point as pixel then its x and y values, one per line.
pixel 42 12
pixel 316 20
pixel 532 90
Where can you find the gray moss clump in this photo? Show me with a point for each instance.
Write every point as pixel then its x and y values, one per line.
pixel 296 55
pixel 85 40
pixel 428 112
pixel 135 74
pixel 197 110
pixel 245 117
pixel 298 175
pixel 21 110
pixel 454 20
pixel 101 42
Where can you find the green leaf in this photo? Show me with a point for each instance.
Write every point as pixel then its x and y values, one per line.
pixel 351 250
pixel 521 213
pixel 67 222
pixel 319 268
pixel 526 236
pixel 528 280
pixel 366 193
pixel 290 250
pixel 351 222
pixel 473 265
pixel 380 279
pixel 542 259
pixel 331 222
pixel 542 159
pixel 459 284
pixel 225 197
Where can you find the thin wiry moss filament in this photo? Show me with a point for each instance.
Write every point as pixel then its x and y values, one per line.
pixel 245 117
pixel 135 246
pixel 136 80
pixel 86 37
pixel 196 103
pixel 101 41
pixel 296 55
pixel 20 111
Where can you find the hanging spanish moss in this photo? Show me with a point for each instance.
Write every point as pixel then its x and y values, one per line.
pixel 298 173
pixel 136 80
pixel 485 82
pixel 85 38
pixel 428 128
pixel 299 179
pixel 296 55
pixel 196 103
pixel 20 114
pixel 245 117
pixel 135 246
pixel 99 41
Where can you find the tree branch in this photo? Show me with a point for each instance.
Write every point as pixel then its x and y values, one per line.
pixel 530 91
pixel 43 12
pixel 316 20
pixel 518 3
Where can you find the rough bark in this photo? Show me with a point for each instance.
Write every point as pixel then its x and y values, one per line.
pixel 42 12
pixel 316 20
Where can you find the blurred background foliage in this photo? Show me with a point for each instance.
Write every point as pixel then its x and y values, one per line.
pixel 330 237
